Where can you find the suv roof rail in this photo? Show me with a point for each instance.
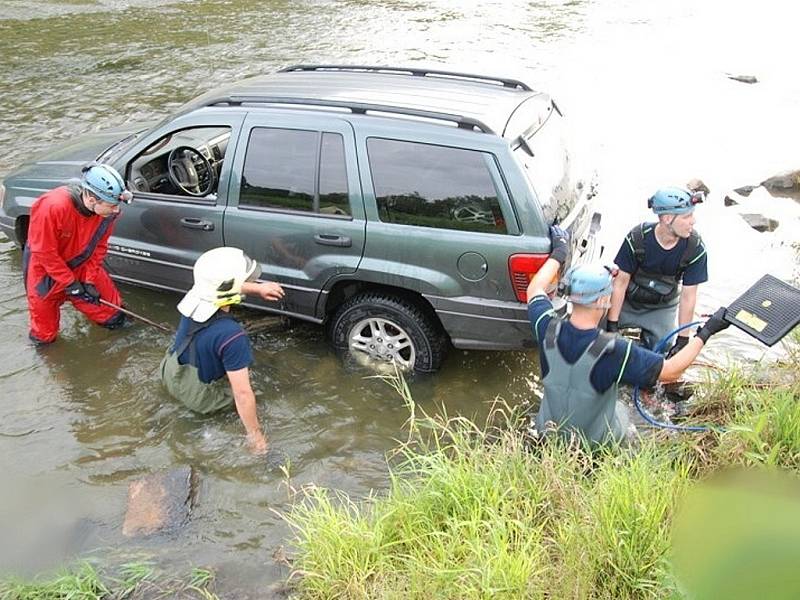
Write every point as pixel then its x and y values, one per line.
pixel 360 108
pixel 506 82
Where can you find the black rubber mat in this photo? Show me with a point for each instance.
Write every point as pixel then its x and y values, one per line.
pixel 767 311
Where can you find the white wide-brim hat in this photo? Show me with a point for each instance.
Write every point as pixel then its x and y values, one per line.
pixel 218 278
pixel 196 308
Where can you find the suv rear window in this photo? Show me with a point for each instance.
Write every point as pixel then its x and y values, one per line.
pixel 294 169
pixel 549 170
pixel 434 186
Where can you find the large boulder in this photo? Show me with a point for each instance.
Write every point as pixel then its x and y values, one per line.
pixel 784 184
pixel 159 502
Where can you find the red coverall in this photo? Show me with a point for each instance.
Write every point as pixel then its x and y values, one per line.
pixel 59 234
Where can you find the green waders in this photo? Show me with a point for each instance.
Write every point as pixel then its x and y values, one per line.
pixel 183 381
pixel 570 402
pixel 655 321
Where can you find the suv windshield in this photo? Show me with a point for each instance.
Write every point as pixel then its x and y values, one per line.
pixel 549 170
pixel 116 149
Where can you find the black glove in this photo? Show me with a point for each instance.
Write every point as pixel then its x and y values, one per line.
pixel 612 326
pixel 715 324
pixel 75 290
pixel 559 239
pixel 83 291
pixel 90 293
pixel 680 343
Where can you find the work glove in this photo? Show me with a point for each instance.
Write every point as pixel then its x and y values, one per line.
pixel 90 293
pixel 715 324
pixel 680 343
pixel 612 326
pixel 559 239
pixel 80 291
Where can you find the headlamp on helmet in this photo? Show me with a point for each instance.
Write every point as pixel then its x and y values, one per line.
pixel 675 201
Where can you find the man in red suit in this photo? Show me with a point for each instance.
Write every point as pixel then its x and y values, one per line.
pixel 67 242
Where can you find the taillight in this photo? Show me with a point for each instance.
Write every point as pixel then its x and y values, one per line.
pixel 521 269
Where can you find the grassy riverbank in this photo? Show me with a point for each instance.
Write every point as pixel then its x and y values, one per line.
pixel 132 581
pixel 479 512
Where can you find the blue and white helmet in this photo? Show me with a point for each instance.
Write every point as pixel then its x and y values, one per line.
pixel 105 183
pixel 674 201
pixel 586 284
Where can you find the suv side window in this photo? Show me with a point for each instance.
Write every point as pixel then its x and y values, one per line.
pixel 434 186
pixel 181 164
pixel 295 169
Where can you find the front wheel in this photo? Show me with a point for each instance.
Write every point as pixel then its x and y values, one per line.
pixel 378 329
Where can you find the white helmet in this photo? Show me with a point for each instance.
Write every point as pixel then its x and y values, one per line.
pixel 218 278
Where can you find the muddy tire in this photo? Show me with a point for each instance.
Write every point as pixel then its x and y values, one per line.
pixel 375 328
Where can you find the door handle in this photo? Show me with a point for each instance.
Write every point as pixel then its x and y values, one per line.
pixel 195 223
pixel 327 239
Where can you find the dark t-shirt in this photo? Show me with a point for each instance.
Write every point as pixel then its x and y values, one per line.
pixel 638 365
pixel 222 346
pixel 664 262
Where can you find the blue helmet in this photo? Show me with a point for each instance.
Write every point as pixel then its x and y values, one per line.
pixel 103 182
pixel 585 284
pixel 674 201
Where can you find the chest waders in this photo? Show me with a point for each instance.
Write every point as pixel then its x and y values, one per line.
pixel 183 381
pixel 570 402
pixel 651 300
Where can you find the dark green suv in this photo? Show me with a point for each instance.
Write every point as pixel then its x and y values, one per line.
pixel 405 209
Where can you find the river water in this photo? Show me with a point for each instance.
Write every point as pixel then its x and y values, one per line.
pixel 644 86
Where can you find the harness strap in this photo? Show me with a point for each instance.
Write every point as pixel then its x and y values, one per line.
pixel 688 257
pixel 77 261
pixel 194 329
pixel 602 344
pixel 636 241
pixel 553 329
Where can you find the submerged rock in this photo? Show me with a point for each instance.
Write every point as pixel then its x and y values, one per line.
pixel 760 222
pixel 160 501
pixel 743 78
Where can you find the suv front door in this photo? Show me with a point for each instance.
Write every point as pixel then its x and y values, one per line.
pixel 297 206
pixel 164 230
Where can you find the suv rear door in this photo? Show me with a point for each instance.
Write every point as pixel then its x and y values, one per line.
pixel 441 224
pixel 295 204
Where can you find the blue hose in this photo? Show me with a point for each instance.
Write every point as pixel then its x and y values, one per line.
pixel 637 402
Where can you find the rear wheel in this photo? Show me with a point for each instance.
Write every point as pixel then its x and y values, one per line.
pixel 378 329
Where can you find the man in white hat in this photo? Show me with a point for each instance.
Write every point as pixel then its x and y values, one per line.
pixel 211 345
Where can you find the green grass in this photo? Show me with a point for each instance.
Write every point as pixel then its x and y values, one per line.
pixel 478 512
pixel 136 580
pixel 475 513
pixel 81 583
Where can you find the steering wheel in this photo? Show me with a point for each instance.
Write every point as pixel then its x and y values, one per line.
pixel 190 171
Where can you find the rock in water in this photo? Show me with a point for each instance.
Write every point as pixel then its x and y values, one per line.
pixel 697 185
pixel 785 184
pixel 160 501
pixel 760 222
pixel 745 190
pixel 743 78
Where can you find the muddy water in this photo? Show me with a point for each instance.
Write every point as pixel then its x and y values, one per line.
pixel 644 86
